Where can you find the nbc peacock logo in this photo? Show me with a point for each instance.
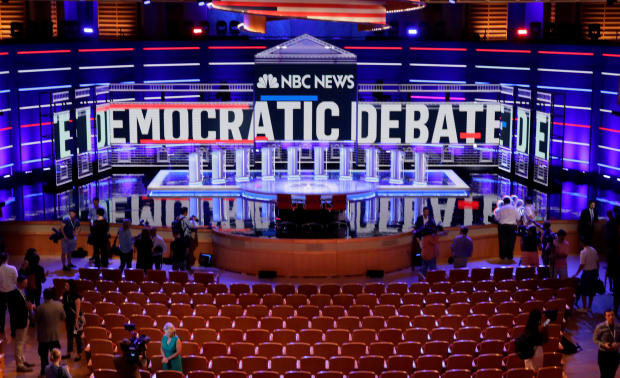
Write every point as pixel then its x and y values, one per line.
pixel 267 81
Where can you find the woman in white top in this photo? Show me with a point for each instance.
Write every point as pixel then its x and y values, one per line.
pixel 588 263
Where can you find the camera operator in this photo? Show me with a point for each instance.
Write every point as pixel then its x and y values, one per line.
pixel 128 364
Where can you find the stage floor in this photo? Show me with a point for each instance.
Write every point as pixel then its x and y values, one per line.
pixel 175 183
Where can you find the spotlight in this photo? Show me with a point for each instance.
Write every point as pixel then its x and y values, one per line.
pixel 452 1
pixel 522 32
pixel 201 3
pixel 197 30
pixel 88 30
pixel 146 2
pixel 412 32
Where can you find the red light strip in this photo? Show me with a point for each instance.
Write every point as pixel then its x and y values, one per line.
pixel 612 55
pixel 192 141
pixel 43 52
pixel 462 204
pixel 610 130
pixel 470 135
pixel 35 124
pixel 373 48
pixel 172 106
pixel 505 51
pixel 438 49
pixel 572 125
pixel 6 128
pixel 437 98
pixel 565 53
pixel 105 50
pixel 4 53
pixel 171 48
pixel 237 47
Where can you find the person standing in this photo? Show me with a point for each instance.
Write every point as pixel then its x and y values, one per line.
pixel 49 317
pixel 507 217
pixel 159 248
pixel 144 247
pixel 101 241
pixel 424 219
pixel 587 220
pixel 125 244
pixel 588 263
pixel 529 247
pixel 21 312
pixel 462 248
pixel 92 212
pixel 71 301
pixel 430 246
pixel 607 338
pixel 35 274
pixel 529 212
pixel 559 255
pixel 70 229
pixel 54 369
pixel 528 345
pixel 8 283
pixel 179 250
pixel 171 349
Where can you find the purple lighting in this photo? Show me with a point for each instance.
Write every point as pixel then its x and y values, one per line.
pixel 88 30
pixel 412 32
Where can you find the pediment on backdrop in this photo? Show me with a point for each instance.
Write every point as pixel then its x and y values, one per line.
pixel 306 49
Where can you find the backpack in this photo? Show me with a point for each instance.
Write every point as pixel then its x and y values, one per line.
pixel 177 227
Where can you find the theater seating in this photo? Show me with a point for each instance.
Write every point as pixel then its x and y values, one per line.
pixel 459 323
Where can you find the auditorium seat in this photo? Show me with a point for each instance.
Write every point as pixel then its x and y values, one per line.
pixel 344 364
pixel 307 289
pixel 489 361
pixel 207 311
pixel 320 300
pixel 159 276
pixel 480 274
pixel 282 364
pixel 371 363
pixel 148 287
pixel 463 347
pixel 436 347
pixel 344 299
pixel 194 287
pixel 485 308
pixel 488 373
pixel 353 349
pixel 104 346
pixel 233 374
pixel 457 373
pixel 312 364
pixel 284 289
pixel 381 348
pixel 131 308
pixel 102 361
pixel 265 374
pixel 153 348
pixel 519 373
pixel 457 297
pixel 250 364
pixel 361 374
pixel 429 362
pixel 163 319
pixel 201 374
pixel 270 349
pixel 222 363
pixel 248 299
pixel 94 332
pixel 152 333
pixel 106 373
pixel 329 289
pixel 401 363
pixel 256 336
pixel 216 288
pixel 230 335
pixel 329 374
pixel 282 335
pixel 298 374
pixel 352 288
pixel 308 311
pixel 204 278
pixel 460 362
pixel 442 334
pixel 310 335
pixel 193 362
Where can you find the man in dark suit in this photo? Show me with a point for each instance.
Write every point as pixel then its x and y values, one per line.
pixel 21 309
pixel 50 317
pixel 424 219
pixel 587 219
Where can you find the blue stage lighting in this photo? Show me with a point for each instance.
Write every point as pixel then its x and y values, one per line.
pixel 147 2
pixel 88 30
pixel 412 32
pixel 201 3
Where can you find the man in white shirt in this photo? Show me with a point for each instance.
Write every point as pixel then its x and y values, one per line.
pixel 8 283
pixel 507 217
pixel 159 248
pixel 588 263
pixel 529 213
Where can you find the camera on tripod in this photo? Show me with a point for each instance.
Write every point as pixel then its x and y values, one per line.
pixel 137 345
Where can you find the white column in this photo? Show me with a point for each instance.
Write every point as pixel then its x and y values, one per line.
pixel 267 159
pixel 396 166
pixel 421 164
pixel 195 168
pixel 292 163
pixel 372 164
pixel 242 164
pixel 396 210
pixel 346 154
pixel 319 163
pixel 218 210
pixel 218 166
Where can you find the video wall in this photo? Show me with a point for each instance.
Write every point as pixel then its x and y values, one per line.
pixel 584 79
